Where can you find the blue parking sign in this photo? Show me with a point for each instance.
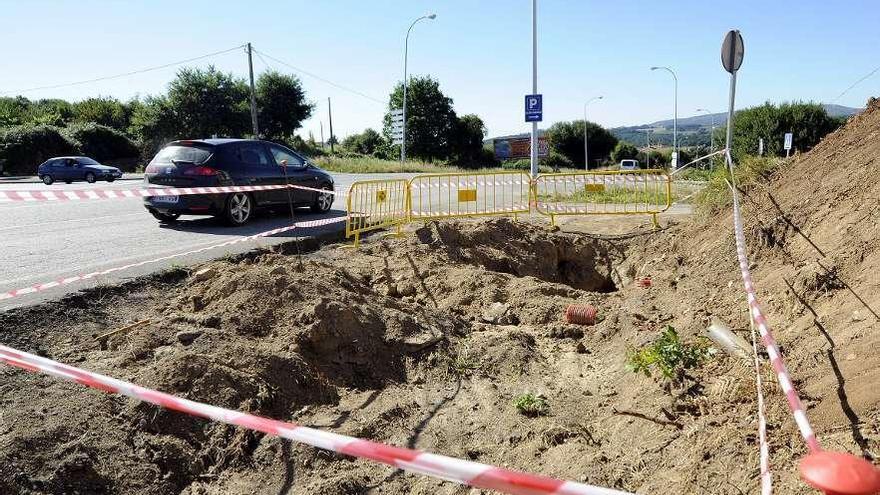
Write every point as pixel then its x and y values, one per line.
pixel 534 108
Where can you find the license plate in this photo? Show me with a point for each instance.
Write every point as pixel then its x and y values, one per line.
pixel 165 199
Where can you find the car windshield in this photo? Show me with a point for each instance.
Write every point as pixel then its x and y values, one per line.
pixel 179 153
pixel 87 161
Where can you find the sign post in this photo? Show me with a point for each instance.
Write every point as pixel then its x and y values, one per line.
pixel 787 144
pixel 397 127
pixel 732 51
pixel 760 146
pixel 538 115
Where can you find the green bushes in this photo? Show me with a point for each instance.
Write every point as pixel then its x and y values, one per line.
pixel 24 147
pixel 99 142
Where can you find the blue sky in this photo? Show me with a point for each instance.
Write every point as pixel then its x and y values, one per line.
pixel 479 50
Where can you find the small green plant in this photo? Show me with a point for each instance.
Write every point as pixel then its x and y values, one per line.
pixel 669 355
pixel 532 405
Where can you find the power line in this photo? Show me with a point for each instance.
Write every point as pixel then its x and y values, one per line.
pixel 297 69
pixel 141 71
pixel 857 83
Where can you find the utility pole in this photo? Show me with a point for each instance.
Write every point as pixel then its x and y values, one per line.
pixel 253 93
pixel 322 133
pixel 534 141
pixel 330 113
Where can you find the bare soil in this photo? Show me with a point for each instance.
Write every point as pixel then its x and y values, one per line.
pixel 426 341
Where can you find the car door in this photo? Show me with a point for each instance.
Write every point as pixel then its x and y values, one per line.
pixel 297 173
pixel 67 169
pixel 260 169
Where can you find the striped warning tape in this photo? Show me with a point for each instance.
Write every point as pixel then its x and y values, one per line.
pixel 437 466
pixel 86 276
pixel 95 194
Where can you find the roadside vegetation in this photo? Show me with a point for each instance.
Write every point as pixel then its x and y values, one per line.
pixel 748 171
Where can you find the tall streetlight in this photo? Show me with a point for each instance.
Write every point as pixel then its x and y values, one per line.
pixel 586 149
pixel 712 136
pixel 674 117
pixel 405 54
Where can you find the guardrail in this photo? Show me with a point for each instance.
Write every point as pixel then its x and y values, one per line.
pixel 619 192
pixel 436 196
pixel 376 204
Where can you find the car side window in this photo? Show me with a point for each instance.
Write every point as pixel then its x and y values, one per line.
pixel 69 162
pixel 253 154
pixel 281 154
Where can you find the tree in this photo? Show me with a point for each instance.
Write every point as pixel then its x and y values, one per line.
pixel 809 122
pixel 208 102
pixel 108 112
pixel 430 119
pixel 282 104
pixel 152 124
pixel 13 111
pixel 51 111
pixel 567 138
pixel 624 151
pixel 365 143
pixel 467 141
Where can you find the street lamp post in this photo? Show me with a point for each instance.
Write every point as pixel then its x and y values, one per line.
pixel 712 136
pixel 586 149
pixel 405 55
pixel 675 115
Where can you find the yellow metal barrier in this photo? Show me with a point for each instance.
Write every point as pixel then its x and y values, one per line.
pixel 376 204
pixel 618 192
pixel 435 196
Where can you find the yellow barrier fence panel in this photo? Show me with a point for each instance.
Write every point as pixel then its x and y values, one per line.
pixel 435 196
pixel 376 204
pixel 618 192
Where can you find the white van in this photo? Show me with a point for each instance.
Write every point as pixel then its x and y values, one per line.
pixel 629 164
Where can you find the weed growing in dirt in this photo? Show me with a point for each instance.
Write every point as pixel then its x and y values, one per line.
pixel 532 405
pixel 669 355
pixel 749 170
pixel 461 362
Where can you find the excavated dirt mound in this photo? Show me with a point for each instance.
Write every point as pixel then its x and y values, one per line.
pixel 427 341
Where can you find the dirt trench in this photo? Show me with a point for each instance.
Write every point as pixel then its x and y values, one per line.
pixel 424 342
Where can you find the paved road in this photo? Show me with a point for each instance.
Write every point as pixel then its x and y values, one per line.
pixel 51 240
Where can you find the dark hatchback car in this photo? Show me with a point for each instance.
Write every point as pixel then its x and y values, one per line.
pixel 73 168
pixel 233 162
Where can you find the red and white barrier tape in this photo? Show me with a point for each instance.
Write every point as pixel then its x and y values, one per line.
pixel 794 401
pixel 76 278
pixel 437 466
pixel 94 194
pixel 764 447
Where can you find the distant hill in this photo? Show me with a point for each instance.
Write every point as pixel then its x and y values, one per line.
pixel 692 131
pixel 695 130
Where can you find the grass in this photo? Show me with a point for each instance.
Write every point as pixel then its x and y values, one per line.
pixel 532 405
pixel 747 171
pixel 369 165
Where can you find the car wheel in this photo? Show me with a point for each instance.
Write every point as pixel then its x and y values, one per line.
pixel 90 178
pixel 68 182
pixel 323 201
pixel 47 179
pixel 111 179
pixel 165 217
pixel 239 208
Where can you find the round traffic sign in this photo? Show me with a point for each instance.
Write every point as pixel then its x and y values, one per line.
pixel 732 51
